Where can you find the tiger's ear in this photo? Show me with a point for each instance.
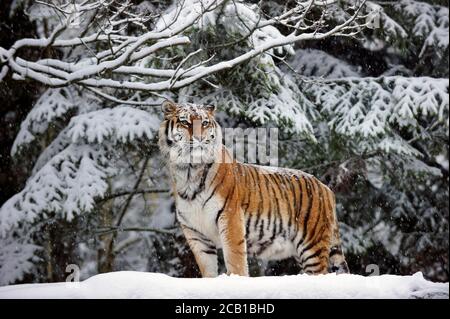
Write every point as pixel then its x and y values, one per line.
pixel 211 109
pixel 168 107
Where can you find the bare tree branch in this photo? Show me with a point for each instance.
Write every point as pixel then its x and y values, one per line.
pixel 107 230
pixel 137 192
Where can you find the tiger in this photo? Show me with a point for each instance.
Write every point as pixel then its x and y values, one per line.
pixel 244 209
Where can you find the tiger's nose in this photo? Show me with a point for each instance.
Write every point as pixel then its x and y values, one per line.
pixel 197 130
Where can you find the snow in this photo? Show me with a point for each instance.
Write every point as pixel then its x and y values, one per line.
pixel 130 54
pixel 122 123
pixel 430 22
pixel 17 257
pixel 366 105
pixel 311 62
pixel 53 104
pixel 57 187
pixel 71 181
pixel 390 26
pixel 129 284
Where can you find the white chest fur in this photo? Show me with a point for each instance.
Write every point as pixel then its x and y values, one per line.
pixel 200 217
pixel 199 213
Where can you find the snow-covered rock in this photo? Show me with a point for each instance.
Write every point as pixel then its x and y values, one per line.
pixel 129 284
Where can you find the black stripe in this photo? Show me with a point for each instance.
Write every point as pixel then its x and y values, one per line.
pixel 263 246
pixel 260 199
pixel 257 220
pixel 308 195
pixel 249 191
pixel 326 206
pixel 269 212
pixel 319 216
pixel 300 202
pixel 209 252
pixel 294 197
pixel 308 212
pixel 247 226
pixel 245 207
pixel 336 250
pixel 316 254
pixel 220 213
pixel 203 236
pixel 261 230
pixel 285 195
pixel 297 205
pixel 247 176
pixel 224 204
pixel 169 142
pixel 290 203
pixel 201 187
pixel 183 195
pixel 274 221
pixel 215 188
pixel 311 265
pixel 208 244
pixel 274 230
pixel 313 243
pixel 279 218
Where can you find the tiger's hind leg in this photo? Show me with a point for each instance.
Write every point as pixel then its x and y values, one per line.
pixel 314 260
pixel 337 264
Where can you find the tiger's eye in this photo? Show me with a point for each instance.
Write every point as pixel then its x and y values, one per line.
pixel 205 123
pixel 184 122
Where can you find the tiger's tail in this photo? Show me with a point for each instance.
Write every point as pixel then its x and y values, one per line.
pixel 337 262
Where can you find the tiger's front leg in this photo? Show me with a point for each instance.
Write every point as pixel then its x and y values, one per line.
pixel 232 234
pixel 205 252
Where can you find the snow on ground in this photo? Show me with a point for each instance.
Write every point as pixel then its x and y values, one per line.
pixel 129 284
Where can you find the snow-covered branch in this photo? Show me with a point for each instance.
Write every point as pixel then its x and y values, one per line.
pixel 120 58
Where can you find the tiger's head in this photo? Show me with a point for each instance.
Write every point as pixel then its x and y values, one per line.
pixel 189 134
